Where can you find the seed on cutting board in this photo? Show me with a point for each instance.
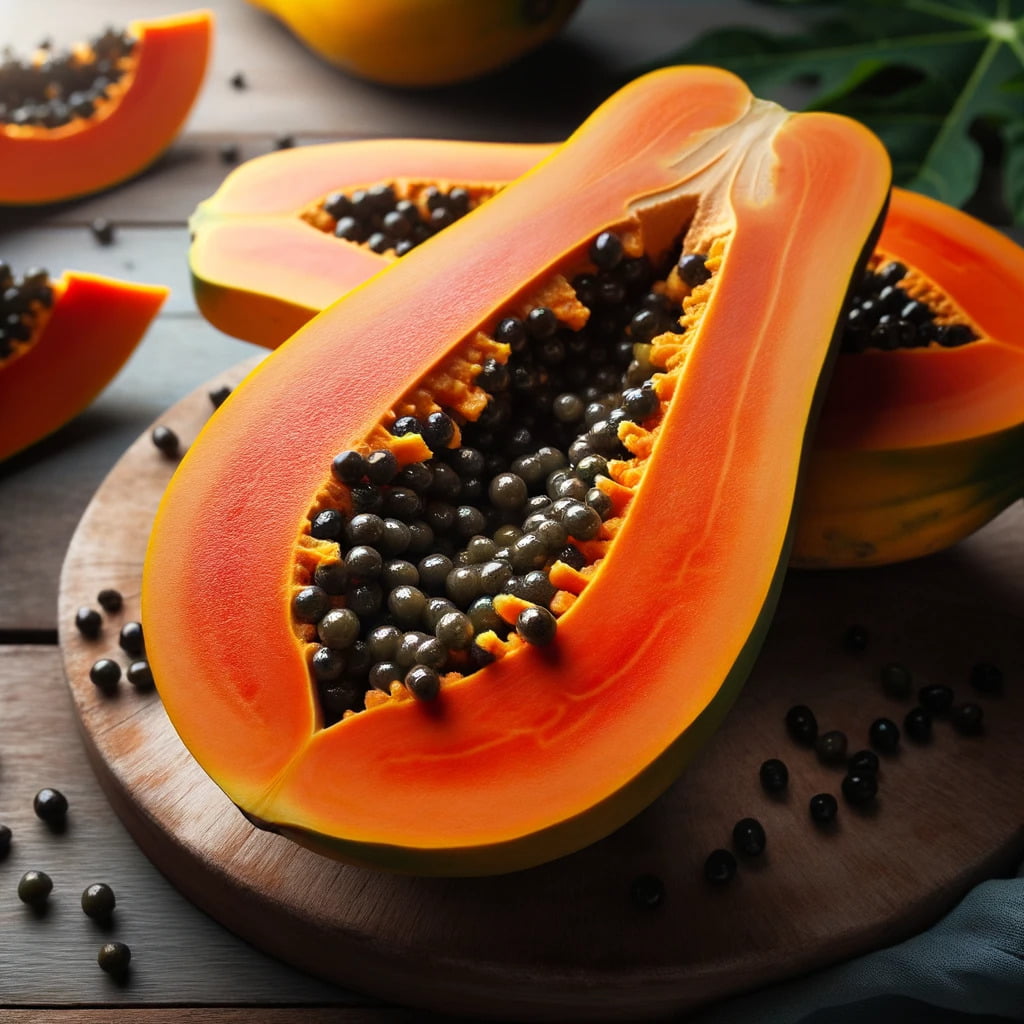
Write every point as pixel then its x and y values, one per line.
pixel 131 640
pixel 860 788
pixel 720 866
pixel 936 698
pixel 748 836
pixel 823 808
pixel 34 888
pixel 831 746
pixel 647 891
pixel 986 678
pixel 284 142
pixel 968 719
pixel 863 761
pixel 105 674
pixel 219 395
pixel 50 805
pixel 5 841
pixel 917 724
pixel 110 600
pixel 140 675
pixel 114 958
pixel 884 735
pixel 166 440
pixel 896 680
pixel 88 622
pixel 98 901
pixel 229 153
pixel 802 725
pixel 238 80
pixel 774 775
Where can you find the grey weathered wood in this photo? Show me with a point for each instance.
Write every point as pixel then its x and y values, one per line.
pixel 179 954
pixel 563 941
pixel 44 490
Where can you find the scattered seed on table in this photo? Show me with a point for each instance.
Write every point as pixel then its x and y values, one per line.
pixel 131 640
pixel 896 680
pixel 802 724
pixel 218 396
pixel 884 735
pixel 863 761
pixel 284 142
pixel 774 775
pixel 823 808
pixel 229 153
pixel 935 698
pixel 238 80
pixel 720 866
pixel 50 805
pixel 748 836
pixel 917 724
pixel 110 600
pixel 860 788
pixel 5 841
pixel 105 674
pixel 647 891
pixel 88 622
pixel 102 231
pixel 34 888
pixel 968 719
pixel 140 675
pixel 831 746
pixel 114 958
pixel 166 440
pixel 98 901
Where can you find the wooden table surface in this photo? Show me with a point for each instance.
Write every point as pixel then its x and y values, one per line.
pixel 185 964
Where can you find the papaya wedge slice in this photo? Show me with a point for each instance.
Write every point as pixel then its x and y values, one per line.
pixel 919 446
pixel 126 124
pixel 81 341
pixel 535 740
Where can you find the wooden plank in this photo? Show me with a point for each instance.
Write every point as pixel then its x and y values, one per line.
pixel 44 490
pixel 217 1015
pixel 563 941
pixel 179 955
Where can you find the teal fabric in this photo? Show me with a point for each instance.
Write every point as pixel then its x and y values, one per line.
pixel 967 969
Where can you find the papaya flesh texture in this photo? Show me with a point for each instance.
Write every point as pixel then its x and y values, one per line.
pixel 914 455
pixel 125 126
pixel 81 336
pixel 410 43
pixel 545 748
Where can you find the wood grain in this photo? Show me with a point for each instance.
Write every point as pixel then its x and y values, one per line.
pixel 564 940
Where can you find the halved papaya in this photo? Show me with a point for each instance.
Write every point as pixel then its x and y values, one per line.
pixel 75 123
pixel 61 342
pixel 922 444
pixel 405 609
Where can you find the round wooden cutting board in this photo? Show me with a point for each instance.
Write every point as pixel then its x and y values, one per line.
pixel 567 940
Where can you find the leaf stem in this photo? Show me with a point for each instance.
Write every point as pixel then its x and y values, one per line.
pixel 940 10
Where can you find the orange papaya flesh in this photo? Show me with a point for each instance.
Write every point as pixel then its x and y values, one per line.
pixel 81 121
pixel 257 214
pixel 550 746
pixel 75 333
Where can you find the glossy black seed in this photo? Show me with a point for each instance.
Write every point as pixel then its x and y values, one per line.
pixel 339 628
pixel 395 537
pixel 536 626
pixel 862 761
pixel 892 272
pixel 363 563
pixel 332 578
pixel 166 440
pixel 438 431
pixel 311 604
pixel 860 788
pixel 720 867
pixel 831 746
pixel 421 538
pixel 917 724
pixel 968 719
pixel 140 675
pixel 935 698
pixel 349 467
pixel 692 269
pixel 367 498
pixel 541 323
pixel 349 229
pixel 88 622
pixel 383 674
pixel 454 630
pixel 954 335
pixel 508 491
pixel 748 837
pixel 98 901
pixel 110 600
pixel 423 682
pixel 823 808
pixel 5 841
pixel 856 638
pixel 114 958
pixel 397 572
pixel 606 251
pixel 445 483
pixel 219 396
pixel 986 677
pixel 884 735
pixel 238 80
pixel 131 639
pixel 105 675
pixel 432 653
pixel 647 891
pixel 802 725
pixel 381 466
pixel 407 605
pixel 50 805
pixel 327 525
pixel 328 665
pixel 34 888
pixel 512 332
pixel 774 775
pixel 102 230
pixel 896 680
